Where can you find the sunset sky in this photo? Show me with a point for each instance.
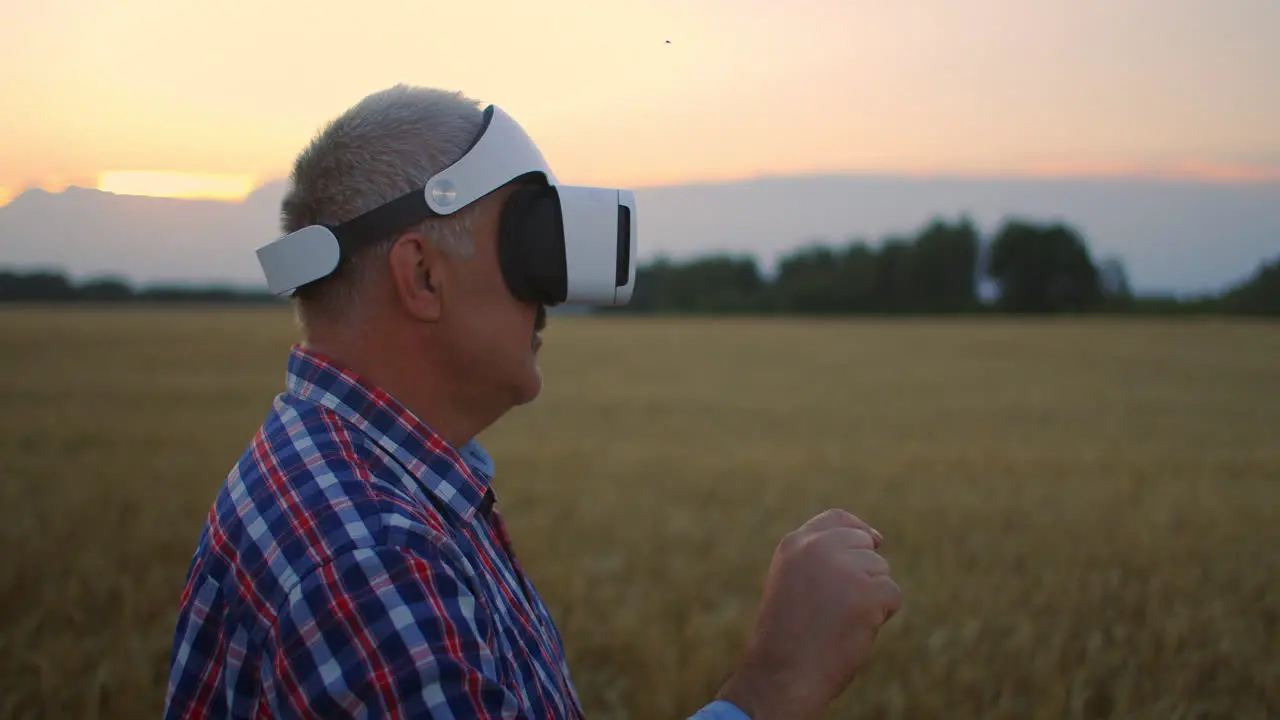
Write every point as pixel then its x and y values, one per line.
pixel 116 94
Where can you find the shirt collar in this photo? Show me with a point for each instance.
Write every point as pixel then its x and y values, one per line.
pixel 461 478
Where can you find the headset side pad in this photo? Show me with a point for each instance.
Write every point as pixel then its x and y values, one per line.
pixel 531 246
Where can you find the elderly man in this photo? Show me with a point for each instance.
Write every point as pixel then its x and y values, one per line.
pixel 354 563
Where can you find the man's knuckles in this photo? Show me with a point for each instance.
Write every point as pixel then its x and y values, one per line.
pixel 889 595
pixel 871 594
pixel 832 541
pixel 869 562
pixel 834 518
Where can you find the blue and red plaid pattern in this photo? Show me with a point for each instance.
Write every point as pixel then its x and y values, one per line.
pixel 354 565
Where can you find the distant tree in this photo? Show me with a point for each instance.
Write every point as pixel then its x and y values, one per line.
pixel 1113 278
pixel 1043 269
pixel 946 267
pixel 719 283
pixel 47 286
pixel 37 286
pixel 106 290
pixel 646 292
pixel 1114 282
pixel 894 290
pixel 858 268
pixel 1260 295
pixel 724 284
pixel 808 282
pixel 944 258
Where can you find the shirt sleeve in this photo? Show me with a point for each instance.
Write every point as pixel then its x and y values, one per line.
pixel 384 633
pixel 720 710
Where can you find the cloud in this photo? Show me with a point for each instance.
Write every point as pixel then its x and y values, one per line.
pixel 153 183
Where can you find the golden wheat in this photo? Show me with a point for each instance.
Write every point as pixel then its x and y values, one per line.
pixel 1084 516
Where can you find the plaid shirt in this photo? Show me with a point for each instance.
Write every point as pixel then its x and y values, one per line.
pixel 354 565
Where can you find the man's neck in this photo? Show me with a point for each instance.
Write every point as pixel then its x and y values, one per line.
pixel 402 371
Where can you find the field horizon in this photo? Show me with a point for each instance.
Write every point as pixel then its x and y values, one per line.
pixel 1083 513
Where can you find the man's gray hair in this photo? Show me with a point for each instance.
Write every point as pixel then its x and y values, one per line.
pixel 382 147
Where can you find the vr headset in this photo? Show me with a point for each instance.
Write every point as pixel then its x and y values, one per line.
pixel 557 244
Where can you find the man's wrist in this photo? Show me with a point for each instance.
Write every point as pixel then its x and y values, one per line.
pixel 762 692
pixel 721 710
pixel 749 692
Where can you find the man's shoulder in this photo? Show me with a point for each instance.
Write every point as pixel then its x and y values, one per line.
pixel 310 488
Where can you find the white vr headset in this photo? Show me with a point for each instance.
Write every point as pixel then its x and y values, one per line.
pixel 556 244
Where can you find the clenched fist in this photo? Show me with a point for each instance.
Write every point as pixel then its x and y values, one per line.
pixel 827 595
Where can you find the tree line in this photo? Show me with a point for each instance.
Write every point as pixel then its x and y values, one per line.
pixel 47 286
pixel 1032 268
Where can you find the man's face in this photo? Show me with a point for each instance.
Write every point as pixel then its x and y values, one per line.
pixel 491 337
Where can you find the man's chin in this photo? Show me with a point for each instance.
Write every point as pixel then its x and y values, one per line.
pixel 530 388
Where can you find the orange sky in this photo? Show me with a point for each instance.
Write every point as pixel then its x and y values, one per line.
pixel 746 87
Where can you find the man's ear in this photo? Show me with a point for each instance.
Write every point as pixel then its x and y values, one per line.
pixel 416 268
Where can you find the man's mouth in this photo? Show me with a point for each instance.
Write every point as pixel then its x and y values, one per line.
pixel 538 325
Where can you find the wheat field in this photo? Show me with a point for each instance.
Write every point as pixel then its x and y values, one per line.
pixel 1084 516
